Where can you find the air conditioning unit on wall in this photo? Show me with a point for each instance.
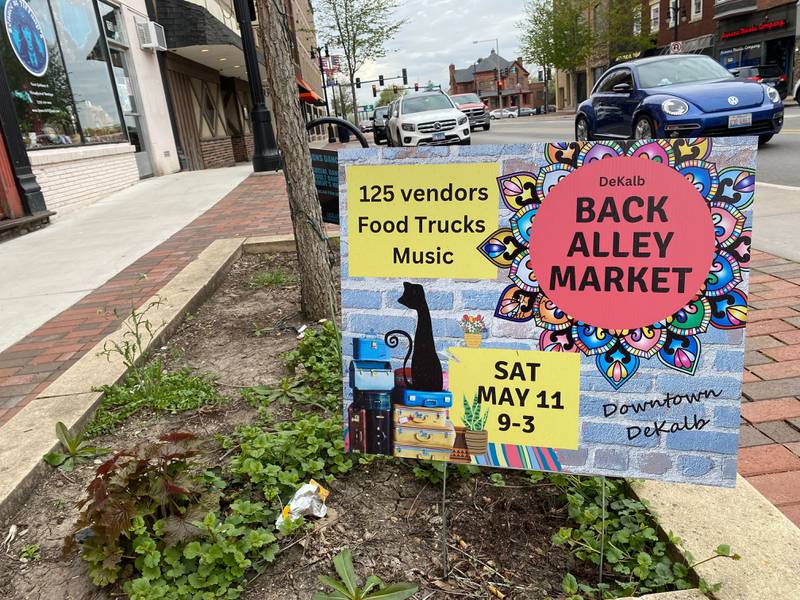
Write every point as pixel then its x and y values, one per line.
pixel 151 36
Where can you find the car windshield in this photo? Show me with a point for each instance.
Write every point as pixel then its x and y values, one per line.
pixel 381 112
pixel 680 70
pixel 417 104
pixel 466 99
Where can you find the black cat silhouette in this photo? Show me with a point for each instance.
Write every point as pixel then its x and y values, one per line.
pixel 426 370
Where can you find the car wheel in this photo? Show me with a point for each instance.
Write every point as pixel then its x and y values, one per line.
pixel 582 130
pixel 486 127
pixel 763 139
pixel 643 129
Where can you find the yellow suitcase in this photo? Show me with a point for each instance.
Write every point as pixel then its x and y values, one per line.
pixel 421 453
pixel 432 418
pixel 421 436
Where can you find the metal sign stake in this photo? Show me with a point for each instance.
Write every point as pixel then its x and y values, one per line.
pixel 602 532
pixel 444 524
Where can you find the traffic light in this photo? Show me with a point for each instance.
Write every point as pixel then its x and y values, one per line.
pixel 405 77
pixel 416 87
pixel 497 73
pixel 500 85
pixel 394 89
pixel 380 80
pixel 358 82
pixel 374 91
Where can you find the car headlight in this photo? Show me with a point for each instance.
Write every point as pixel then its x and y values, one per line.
pixel 675 107
pixel 462 120
pixel 773 94
pixel 408 127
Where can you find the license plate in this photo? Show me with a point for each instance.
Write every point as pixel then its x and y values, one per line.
pixel 438 137
pixel 740 120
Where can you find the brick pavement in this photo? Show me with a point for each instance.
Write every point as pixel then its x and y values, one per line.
pixel 770 432
pixel 258 206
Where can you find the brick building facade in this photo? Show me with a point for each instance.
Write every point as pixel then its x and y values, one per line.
pixel 498 82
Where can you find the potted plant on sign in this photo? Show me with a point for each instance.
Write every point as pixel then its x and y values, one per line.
pixel 476 436
pixel 473 328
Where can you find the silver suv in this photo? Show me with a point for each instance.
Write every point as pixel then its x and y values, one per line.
pixel 427 119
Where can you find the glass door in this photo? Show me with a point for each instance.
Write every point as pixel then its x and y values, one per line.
pixel 118 52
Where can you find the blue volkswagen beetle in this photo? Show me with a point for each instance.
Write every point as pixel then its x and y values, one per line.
pixel 683 95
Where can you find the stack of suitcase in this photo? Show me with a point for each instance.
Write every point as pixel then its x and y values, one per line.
pixel 370 414
pixel 422 427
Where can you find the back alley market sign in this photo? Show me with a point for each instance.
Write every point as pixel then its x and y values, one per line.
pixel 575 307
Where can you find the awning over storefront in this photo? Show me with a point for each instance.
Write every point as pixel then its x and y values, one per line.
pixel 307 94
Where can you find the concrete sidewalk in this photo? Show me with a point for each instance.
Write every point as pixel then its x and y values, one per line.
pixel 50 270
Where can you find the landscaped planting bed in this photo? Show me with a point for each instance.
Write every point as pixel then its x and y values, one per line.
pixel 247 410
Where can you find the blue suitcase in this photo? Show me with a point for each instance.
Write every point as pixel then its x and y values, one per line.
pixel 370 349
pixel 371 375
pixel 426 399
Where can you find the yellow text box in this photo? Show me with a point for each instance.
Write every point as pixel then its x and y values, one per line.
pixel 421 221
pixel 532 397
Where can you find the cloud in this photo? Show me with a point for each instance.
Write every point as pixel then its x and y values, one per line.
pixel 440 32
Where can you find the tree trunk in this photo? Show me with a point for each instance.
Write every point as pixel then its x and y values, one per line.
pixel 314 259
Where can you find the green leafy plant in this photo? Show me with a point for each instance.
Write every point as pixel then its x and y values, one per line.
pixel 30 552
pixel 472 418
pixel 432 471
pixel 275 278
pixel 347 588
pixel 76 451
pixel 279 462
pixel 317 360
pixel 138 331
pixel 151 387
pixel 636 559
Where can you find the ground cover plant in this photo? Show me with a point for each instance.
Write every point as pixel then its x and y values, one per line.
pixel 185 504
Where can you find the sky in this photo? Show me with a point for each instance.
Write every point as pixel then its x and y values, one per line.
pixel 440 32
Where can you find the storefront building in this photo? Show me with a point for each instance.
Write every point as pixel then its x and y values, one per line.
pixel 85 97
pixel 751 32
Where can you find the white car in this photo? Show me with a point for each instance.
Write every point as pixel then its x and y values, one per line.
pixel 503 113
pixel 427 119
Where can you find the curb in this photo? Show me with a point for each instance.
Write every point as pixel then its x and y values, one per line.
pixel 705 517
pixel 71 397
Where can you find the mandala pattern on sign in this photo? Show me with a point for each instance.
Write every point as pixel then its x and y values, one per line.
pixel 675 341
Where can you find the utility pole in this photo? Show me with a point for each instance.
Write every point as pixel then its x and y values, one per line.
pixel 265 149
pixel 677 17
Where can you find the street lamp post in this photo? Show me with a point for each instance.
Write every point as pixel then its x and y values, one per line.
pixel 265 150
pixel 318 49
pixel 497 69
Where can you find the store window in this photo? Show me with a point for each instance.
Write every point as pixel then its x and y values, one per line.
pixel 57 64
pixel 637 21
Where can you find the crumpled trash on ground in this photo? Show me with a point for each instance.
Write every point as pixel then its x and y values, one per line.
pixel 309 500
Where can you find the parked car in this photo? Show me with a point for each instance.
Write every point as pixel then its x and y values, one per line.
pixel 427 119
pixel 503 113
pixel 524 111
pixel 389 114
pixel 682 95
pixel 365 126
pixel 379 118
pixel 474 108
pixel 770 74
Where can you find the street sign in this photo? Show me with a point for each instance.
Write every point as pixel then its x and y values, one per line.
pixel 568 307
pixel 676 47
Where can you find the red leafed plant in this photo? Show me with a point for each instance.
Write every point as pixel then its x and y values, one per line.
pixel 151 487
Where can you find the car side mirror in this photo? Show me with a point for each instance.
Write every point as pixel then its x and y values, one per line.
pixel 622 88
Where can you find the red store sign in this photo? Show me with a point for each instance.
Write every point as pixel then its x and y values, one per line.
pixel 768 26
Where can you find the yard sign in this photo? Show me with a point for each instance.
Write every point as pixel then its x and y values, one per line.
pixel 575 307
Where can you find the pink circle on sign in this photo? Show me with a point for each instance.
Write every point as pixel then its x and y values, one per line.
pixel 628 261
